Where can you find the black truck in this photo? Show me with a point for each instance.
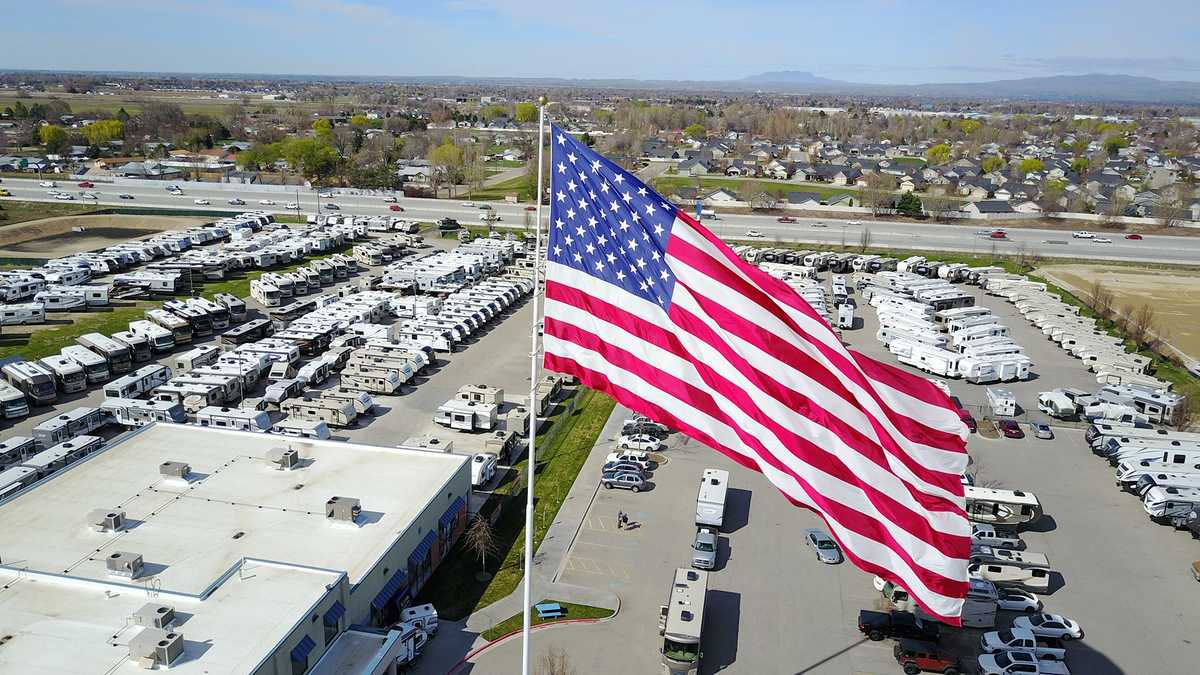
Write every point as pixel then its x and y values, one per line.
pixel 880 625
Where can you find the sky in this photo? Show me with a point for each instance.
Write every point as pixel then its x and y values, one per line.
pixel 877 41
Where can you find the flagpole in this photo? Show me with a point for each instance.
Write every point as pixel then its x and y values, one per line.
pixel 526 609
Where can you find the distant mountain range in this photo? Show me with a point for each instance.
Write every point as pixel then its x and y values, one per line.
pixel 1092 87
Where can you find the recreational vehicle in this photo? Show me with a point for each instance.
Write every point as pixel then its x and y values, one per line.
pixel 360 400
pixel 251 331
pixel 1002 402
pixel 15 449
pixel 1169 505
pixel 195 357
pixel 1001 507
pixel 32 380
pixel 68 374
pixel 118 355
pixel 200 321
pixel 181 329
pixel 61 454
pixel 235 305
pixel 139 382
pixel 267 294
pixel 139 346
pixel 160 339
pixel 681 623
pixel 60 299
pixel 16 315
pixel 95 367
pixel 68 425
pixel 335 413
pixel 239 419
pixel 314 372
pixel 1003 575
pixel 467 415
pixel 710 500
pixel 218 313
pixel 302 429
pixel 12 402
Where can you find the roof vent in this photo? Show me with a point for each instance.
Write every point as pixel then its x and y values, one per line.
pixel 124 564
pixel 104 520
pixel 174 469
pixel 154 615
pixel 344 509
pixel 283 458
pixel 154 647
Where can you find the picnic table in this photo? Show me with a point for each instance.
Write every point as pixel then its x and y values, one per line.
pixel 549 610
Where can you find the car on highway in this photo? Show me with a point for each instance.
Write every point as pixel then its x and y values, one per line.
pixel 89 195
pixel 1016 600
pixel 1041 430
pixel 125 195
pixel 1101 240
pixel 704 549
pixel 643 442
pixel 823 545
pixel 1134 237
pixel 396 207
pixel 266 202
pixel 200 202
pixel 62 196
pixel 1010 429
pixel 469 205
pixel 5 193
pixel 625 481
pixel 325 195
pixel 485 207
pixel 176 192
pixel 998 234
pixel 1050 625
pixel 489 217
pixel 820 223
pixel 291 205
pixel 785 219
pixel 1082 234
pixel 754 233
pixel 48 184
pixel 531 208
pixel 332 207
pixel 389 200
pixel 235 202
pixel 86 184
pixel 854 222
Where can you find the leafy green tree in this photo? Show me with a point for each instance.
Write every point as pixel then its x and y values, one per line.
pixel 104 131
pixel 938 154
pixel 1079 145
pixel 446 159
pixel 909 205
pixel 54 138
pixel 968 127
pixel 359 120
pixel 323 130
pixel 526 112
pixel 1030 165
pixel 696 130
pixel 258 156
pixel 491 112
pixel 310 157
pixel 1114 143
pixel 992 163
pixel 1080 165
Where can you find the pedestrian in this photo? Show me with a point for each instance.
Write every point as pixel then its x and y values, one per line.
pixel 624 521
pixel 620 519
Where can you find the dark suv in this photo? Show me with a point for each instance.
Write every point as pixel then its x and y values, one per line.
pixel 920 656
pixel 878 625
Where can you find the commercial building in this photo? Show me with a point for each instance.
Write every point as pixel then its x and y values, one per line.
pixel 218 551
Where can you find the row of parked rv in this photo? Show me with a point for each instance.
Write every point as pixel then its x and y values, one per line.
pixel 1161 466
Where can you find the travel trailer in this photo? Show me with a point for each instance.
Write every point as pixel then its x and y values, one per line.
pixel 467 415
pixel 139 382
pixel 238 419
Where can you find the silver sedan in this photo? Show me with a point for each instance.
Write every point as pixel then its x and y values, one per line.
pixel 824 546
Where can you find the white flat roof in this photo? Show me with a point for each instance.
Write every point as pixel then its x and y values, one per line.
pixel 185 534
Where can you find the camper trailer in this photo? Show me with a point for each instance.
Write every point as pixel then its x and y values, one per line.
pixel 19 314
pixel 139 382
pixel 1001 507
pixel 1002 402
pixel 467 415
pixel 68 425
pixel 335 413
pixel 302 429
pixel 710 499
pixel 1171 506
pixel 238 419
pixel 360 400
pixel 196 357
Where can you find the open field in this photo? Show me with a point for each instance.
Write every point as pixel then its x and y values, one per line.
pixel 133 103
pixel 13 212
pixel 1175 295
pixel 518 186
pixel 63 235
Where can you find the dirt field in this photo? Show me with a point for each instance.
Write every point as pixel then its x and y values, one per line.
pixel 58 236
pixel 1175 296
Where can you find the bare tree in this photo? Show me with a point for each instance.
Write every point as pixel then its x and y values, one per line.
pixel 1140 324
pixel 1188 415
pixel 555 662
pixel 1172 210
pixel 864 239
pixel 761 200
pixel 481 539
pixel 1101 298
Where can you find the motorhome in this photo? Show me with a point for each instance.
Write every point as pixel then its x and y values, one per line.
pixel 239 419
pixel 160 339
pixel 95 367
pixel 467 415
pixel 251 331
pixel 218 313
pixel 1001 507
pixel 1003 575
pixel 139 346
pixel 139 382
pixel 302 429
pixel 12 402
pixel 181 329
pixel 68 425
pixel 68 374
pixel 61 454
pixel 267 294
pixel 15 449
pixel 202 355
pixel 1002 402
pixel 16 315
pixel 60 299
pixel 118 355
pixel 681 623
pixel 235 305
pixel 845 316
pixel 1171 505
pixel 32 380
pixel 200 321
pixel 335 413
pixel 710 499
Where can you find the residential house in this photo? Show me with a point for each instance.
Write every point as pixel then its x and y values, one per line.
pixel 1026 206
pixel 693 167
pixel 988 207
pixel 722 196
pixel 148 170
pixel 804 200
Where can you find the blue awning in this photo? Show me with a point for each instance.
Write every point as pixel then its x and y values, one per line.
pixel 390 589
pixel 335 613
pixel 421 552
pixel 301 651
pixel 452 512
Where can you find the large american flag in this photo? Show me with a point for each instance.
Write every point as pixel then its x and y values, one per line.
pixel 648 306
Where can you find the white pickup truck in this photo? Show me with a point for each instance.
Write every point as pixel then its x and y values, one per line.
pixel 1022 663
pixel 1023 640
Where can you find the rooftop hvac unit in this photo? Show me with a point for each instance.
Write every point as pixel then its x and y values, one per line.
pixel 124 564
pixel 284 458
pixel 174 469
pixel 154 615
pixel 154 647
pixel 342 508
pixel 104 520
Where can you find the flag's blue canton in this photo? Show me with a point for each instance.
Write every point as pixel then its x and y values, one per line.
pixel 606 222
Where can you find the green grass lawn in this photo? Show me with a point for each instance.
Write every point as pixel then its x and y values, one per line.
pixel 454 588
pixel 504 163
pixel 748 186
pixel 518 186
pixel 573 611
pixel 13 212
pixel 49 341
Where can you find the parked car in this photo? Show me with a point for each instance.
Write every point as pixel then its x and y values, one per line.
pixel 396 207
pixel 754 233
pixel 1135 236
pixel 854 222
pixel 125 195
pixel 623 467
pixel 880 625
pixel 626 481
pixel 704 549
pixel 200 202
pixel 89 195
pixel 643 442
pixel 1021 640
pixel 1041 430
pixel 922 656
pixel 1016 600
pixel 87 184
pixel 968 419
pixel 639 424
pixel 1050 625
pixel 236 201
pixel 990 535
pixel 531 208
pixel 389 200
pixel 1010 429
pixel 1082 234
pixel 468 204
pixel 332 207
pixel 823 546
pixel 785 219
pixel 1019 663
pixel 448 224
pixel 634 456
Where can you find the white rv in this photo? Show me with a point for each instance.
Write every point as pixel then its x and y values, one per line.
pixel 12 402
pixel 139 382
pixel 1002 402
pixel 68 375
pixel 1001 507
pixel 234 418
pixel 29 313
pixel 710 499
pixel 467 415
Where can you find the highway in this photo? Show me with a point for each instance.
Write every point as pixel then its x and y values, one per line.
pixel 1180 250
